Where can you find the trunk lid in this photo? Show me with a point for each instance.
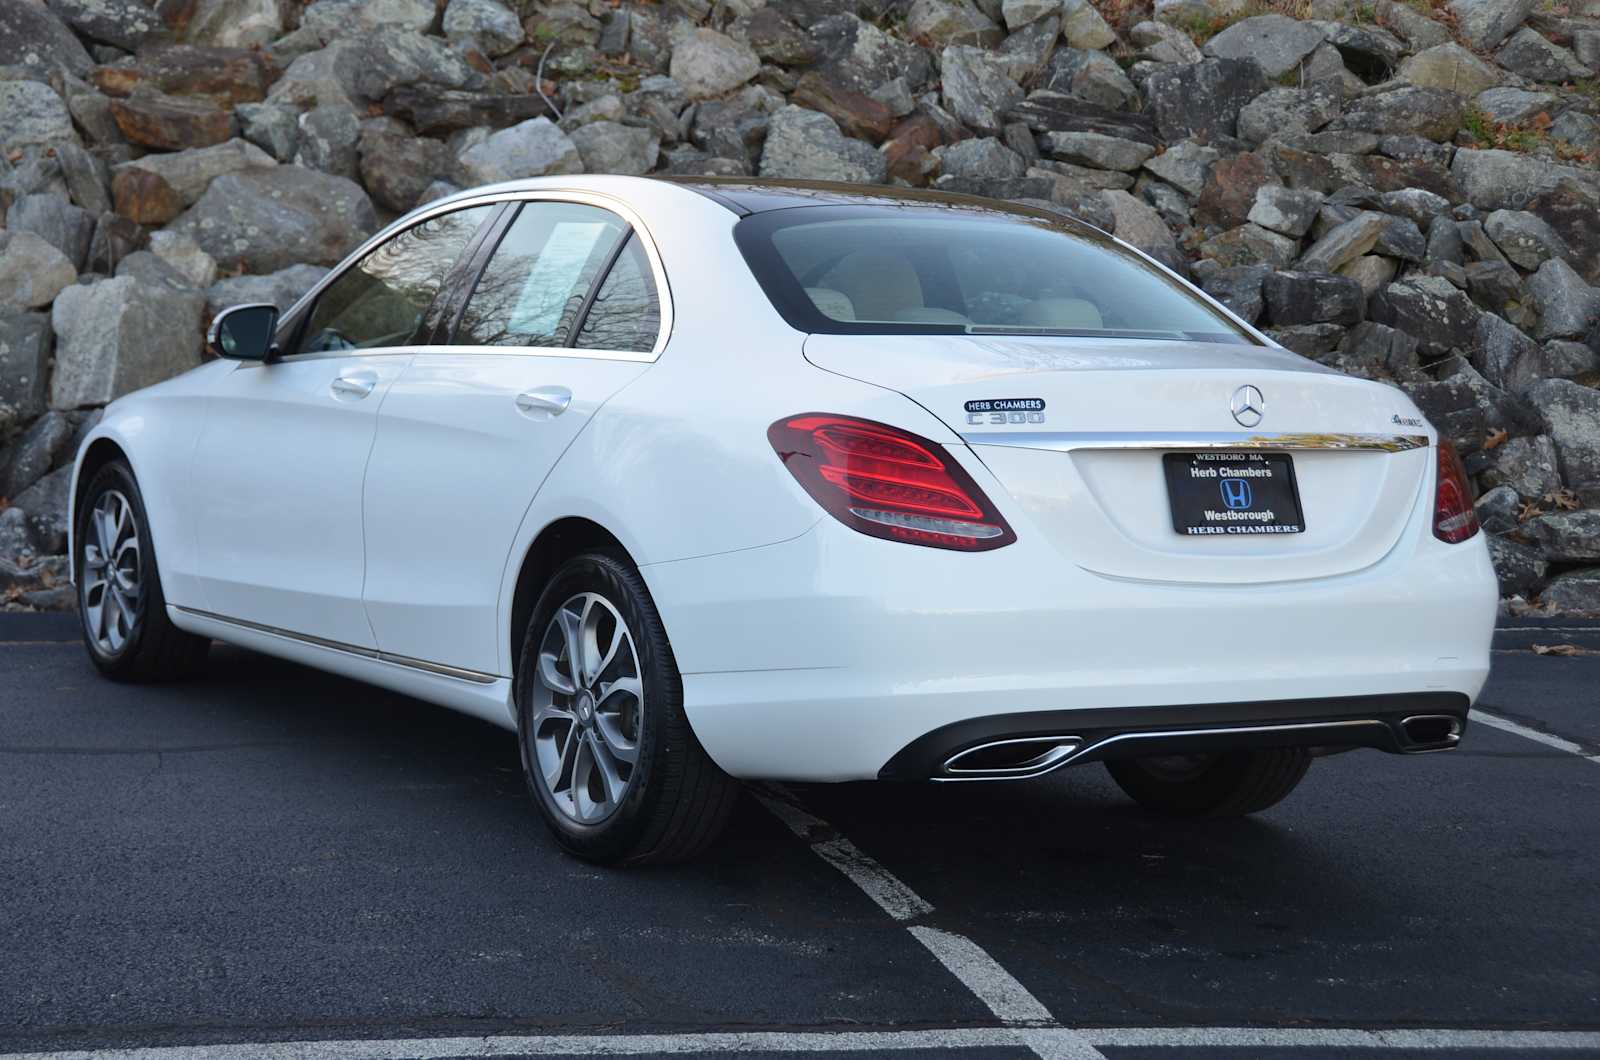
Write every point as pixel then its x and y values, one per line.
pixel 1076 430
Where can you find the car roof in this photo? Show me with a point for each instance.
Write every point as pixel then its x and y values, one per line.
pixel 752 195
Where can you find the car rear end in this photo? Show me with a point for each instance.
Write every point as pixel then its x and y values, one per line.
pixel 1095 533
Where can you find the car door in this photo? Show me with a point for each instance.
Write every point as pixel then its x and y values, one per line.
pixel 284 449
pixel 564 313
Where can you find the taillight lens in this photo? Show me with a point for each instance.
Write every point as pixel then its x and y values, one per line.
pixel 1454 518
pixel 888 483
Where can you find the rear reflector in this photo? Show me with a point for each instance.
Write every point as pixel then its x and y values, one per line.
pixel 1454 518
pixel 888 483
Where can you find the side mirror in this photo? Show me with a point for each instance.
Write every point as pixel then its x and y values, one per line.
pixel 244 332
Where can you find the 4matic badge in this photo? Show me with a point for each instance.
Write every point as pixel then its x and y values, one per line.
pixel 1005 410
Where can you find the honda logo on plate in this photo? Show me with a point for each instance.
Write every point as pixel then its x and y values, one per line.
pixel 1236 493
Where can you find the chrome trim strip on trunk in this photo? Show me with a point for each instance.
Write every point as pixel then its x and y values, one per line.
pixel 1066 441
pixel 440 669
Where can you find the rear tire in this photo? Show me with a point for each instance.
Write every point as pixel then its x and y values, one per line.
pixel 580 724
pixel 1222 785
pixel 121 608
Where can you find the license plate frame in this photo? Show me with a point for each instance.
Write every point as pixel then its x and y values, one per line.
pixel 1233 493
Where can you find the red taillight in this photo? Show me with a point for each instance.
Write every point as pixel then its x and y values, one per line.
pixel 1454 518
pixel 888 483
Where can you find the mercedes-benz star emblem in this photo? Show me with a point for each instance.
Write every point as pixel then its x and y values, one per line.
pixel 1248 406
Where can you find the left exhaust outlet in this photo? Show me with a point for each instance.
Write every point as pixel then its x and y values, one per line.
pixel 1012 759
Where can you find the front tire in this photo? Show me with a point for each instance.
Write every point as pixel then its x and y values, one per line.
pixel 1219 785
pixel 607 751
pixel 121 608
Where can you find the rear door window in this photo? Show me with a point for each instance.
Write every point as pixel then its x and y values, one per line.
pixel 538 279
pixel 626 312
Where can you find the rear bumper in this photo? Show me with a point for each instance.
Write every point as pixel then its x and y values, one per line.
pixel 831 656
pixel 1017 746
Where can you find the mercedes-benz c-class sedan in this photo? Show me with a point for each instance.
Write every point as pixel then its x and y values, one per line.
pixel 693 482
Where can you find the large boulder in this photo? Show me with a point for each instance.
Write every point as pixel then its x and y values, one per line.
pixel 1576 592
pixel 611 147
pixel 35 451
pixel 124 24
pixel 225 76
pixel 1202 99
pixel 534 148
pixel 1431 113
pixel 707 63
pixel 118 335
pixel 52 218
pixel 190 173
pixel 32 271
pixel 1526 239
pixel 151 118
pixel 265 219
pixel 1570 414
pixel 487 23
pixel 1137 224
pixel 1441 316
pixel 807 145
pixel 976 88
pixel 34 116
pixel 1276 43
pixel 1485 23
pixel 397 168
pixel 235 23
pixel 1567 537
pixel 1568 308
pixel 24 366
pixel 1527 465
pixel 946 22
pixel 32 36
pixel 1313 298
pixel 1450 68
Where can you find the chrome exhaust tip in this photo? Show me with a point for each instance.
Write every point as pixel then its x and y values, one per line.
pixel 1431 732
pixel 1015 759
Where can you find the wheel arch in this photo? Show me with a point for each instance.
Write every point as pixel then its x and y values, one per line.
pixel 557 542
pixel 97 452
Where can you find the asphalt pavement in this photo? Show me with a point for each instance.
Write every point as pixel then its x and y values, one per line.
pixel 272 855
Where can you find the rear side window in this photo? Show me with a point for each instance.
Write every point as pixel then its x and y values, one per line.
pixel 626 313
pixel 380 301
pixel 535 284
pixel 926 269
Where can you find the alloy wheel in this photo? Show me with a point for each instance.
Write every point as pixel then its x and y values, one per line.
pixel 111 573
pixel 588 709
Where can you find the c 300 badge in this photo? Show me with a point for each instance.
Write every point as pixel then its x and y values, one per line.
pixel 1005 410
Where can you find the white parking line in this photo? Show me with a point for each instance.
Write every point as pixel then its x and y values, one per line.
pixel 1336 1038
pixel 972 966
pixel 981 974
pixel 1495 721
pixel 1048 1042
pixel 879 884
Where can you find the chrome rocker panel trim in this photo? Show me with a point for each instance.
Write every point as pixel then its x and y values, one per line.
pixel 439 669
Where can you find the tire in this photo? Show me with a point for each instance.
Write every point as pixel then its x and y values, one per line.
pixel 121 608
pixel 1221 785
pixel 673 801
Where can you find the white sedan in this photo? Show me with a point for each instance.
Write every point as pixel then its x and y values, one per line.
pixel 686 482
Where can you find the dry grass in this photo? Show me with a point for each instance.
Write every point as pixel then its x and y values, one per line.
pixel 1529 137
pixel 1202 28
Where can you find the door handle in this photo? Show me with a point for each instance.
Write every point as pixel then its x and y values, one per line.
pixel 353 387
pixel 544 403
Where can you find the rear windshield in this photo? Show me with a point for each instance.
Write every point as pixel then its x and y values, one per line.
pixel 922 269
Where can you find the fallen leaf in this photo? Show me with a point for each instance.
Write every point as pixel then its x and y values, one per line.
pixel 1562 649
pixel 1529 510
pixel 1566 500
pixel 1497 438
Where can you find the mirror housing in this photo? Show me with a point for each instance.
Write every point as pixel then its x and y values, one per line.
pixel 245 332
